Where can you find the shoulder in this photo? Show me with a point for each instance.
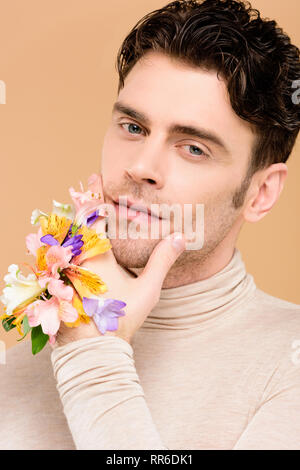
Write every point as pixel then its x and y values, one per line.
pixel 273 324
pixel 269 299
pixel 276 310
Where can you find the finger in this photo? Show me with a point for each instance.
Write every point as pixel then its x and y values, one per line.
pixel 162 258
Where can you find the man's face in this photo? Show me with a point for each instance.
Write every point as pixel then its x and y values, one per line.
pixel 144 161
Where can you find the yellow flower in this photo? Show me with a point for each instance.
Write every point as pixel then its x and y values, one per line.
pixel 93 244
pixel 55 225
pixel 41 257
pixel 84 281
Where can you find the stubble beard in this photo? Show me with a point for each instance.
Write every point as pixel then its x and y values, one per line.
pixel 220 216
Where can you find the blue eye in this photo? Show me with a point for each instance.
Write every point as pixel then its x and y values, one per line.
pixel 135 127
pixel 197 149
pixel 130 124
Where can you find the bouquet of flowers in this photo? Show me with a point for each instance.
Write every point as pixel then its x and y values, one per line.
pixel 59 288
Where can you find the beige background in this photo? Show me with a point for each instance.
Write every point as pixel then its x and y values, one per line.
pixel 57 59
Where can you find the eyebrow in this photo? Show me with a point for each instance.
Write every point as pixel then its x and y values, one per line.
pixel 173 128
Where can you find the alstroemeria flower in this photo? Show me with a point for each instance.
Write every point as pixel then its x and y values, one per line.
pixel 87 202
pixel 49 314
pixel 85 244
pixel 63 210
pixel 57 257
pixel 33 242
pixel 105 312
pixel 35 216
pixel 95 183
pixel 19 289
pixel 74 242
pixel 81 198
pixel 57 288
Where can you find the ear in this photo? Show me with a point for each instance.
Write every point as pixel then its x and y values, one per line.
pixel 267 185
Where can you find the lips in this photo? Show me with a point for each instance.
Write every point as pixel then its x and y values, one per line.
pixel 136 206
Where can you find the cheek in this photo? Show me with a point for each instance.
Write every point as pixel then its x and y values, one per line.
pixel 111 156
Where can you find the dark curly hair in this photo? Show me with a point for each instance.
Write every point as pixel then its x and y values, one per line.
pixel 254 55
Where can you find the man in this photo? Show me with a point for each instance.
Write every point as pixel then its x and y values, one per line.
pixel 202 359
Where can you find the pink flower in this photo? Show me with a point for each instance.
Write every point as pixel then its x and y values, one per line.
pixel 95 183
pixel 94 192
pixel 57 257
pixel 33 241
pixel 88 201
pixel 57 288
pixel 49 314
pixel 81 198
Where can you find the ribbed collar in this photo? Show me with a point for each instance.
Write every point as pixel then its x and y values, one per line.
pixel 189 305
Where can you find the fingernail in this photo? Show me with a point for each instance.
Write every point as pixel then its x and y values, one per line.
pixel 178 241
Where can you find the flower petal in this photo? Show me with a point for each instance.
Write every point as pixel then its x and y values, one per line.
pixel 112 324
pixel 90 306
pixel 33 242
pixel 45 313
pixel 35 216
pixel 64 210
pixel 95 183
pixel 56 226
pixel 84 281
pixel 58 257
pixel 82 317
pixel 59 289
pixel 32 314
pixel 49 240
pixel 114 305
pixel 19 291
pixel 101 323
pixel 67 312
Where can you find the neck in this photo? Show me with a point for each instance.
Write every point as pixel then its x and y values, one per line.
pixel 200 303
pixel 195 268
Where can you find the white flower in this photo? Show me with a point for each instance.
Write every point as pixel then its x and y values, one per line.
pixel 18 288
pixel 64 210
pixel 36 214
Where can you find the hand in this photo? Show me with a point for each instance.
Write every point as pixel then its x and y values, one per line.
pixel 140 293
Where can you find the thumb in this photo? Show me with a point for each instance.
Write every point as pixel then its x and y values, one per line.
pixel 162 258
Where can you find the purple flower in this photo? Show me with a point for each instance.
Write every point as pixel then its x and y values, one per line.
pixel 92 218
pixel 105 312
pixel 49 240
pixel 75 242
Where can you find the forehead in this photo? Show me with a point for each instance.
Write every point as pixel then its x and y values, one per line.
pixel 166 90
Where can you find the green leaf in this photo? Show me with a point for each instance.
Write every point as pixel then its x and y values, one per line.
pixel 38 339
pixel 6 323
pixel 26 327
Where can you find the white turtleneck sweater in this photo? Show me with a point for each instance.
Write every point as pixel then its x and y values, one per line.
pixel 216 365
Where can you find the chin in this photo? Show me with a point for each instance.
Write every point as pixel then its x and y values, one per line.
pixel 133 253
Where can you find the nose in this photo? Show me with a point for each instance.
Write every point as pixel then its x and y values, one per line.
pixel 148 168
